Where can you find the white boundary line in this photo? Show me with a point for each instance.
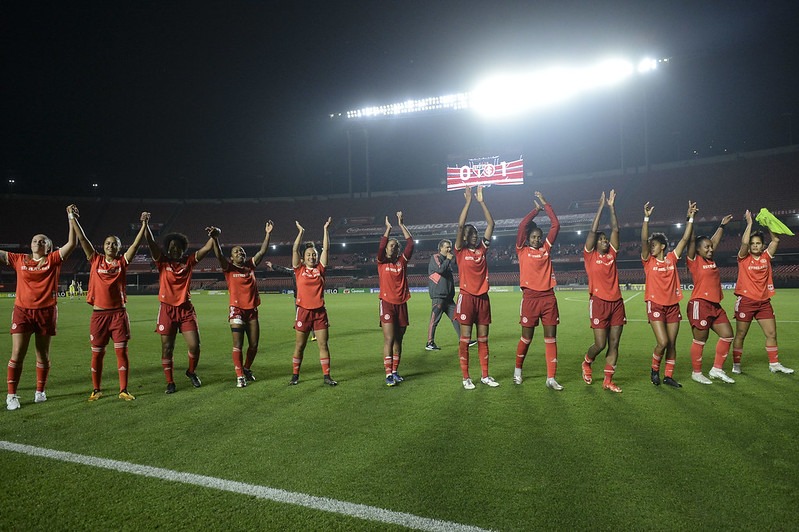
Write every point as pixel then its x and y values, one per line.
pixel 361 511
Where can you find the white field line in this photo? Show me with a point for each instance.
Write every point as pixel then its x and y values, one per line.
pixel 361 511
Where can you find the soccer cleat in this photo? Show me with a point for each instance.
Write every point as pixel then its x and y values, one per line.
pixel 294 380
pixel 472 343
pixel 397 378
pixel 468 384
pixel 431 346
pixel 736 368
pixel 552 383
pixel 655 377
pixel 489 381
pixel 12 401
pixel 517 376
pixel 329 381
pixel 779 368
pixel 701 379
pixel 248 374
pixel 588 377
pixel 718 373
pixel 170 387
pixel 671 382
pixel 610 385
pixel 195 380
pixel 241 382
pixel 39 397
pixel 96 394
pixel 126 396
pixel 390 380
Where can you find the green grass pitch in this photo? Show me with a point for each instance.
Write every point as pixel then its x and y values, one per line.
pixel 511 458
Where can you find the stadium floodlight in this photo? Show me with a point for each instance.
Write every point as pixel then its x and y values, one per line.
pixel 515 93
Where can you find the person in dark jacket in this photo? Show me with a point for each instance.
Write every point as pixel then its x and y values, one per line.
pixel 441 287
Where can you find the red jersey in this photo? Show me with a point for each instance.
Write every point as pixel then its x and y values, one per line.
pixel 174 278
pixel 754 277
pixel 535 265
pixel 37 280
pixel 394 275
pixel 603 274
pixel 473 269
pixel 310 286
pixel 242 285
pixel 662 280
pixel 707 279
pixel 107 282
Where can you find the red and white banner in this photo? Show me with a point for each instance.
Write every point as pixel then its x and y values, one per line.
pixel 485 171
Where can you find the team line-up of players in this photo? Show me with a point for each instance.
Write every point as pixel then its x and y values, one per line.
pixel 35 311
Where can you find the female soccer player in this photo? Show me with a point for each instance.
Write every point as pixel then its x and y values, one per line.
pixel 663 292
pixel 244 300
pixel 392 270
pixel 537 281
pixel 704 307
pixel 35 312
pixel 473 307
pixel 107 296
pixel 754 289
pixel 176 312
pixel 605 305
pixel 309 271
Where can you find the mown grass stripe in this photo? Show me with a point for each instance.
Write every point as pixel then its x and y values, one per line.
pixel 361 511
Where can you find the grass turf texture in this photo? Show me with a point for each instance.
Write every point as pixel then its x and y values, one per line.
pixel 515 457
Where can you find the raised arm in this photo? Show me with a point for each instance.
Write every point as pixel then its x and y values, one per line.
pixel 325 243
pixel 486 213
pixel 689 229
pixel 223 262
pixel 467 194
pixel 716 238
pixel 296 254
pixel 521 232
pixel 743 251
pixel 155 249
pixel 554 223
pixel 381 247
pixel 73 215
pixel 134 247
pixel 645 231
pixel 773 244
pixel 614 222
pixel 590 238
pixel 408 236
pixel 67 249
pixel 256 259
pixel 213 232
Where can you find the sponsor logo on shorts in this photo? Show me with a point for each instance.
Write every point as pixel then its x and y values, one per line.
pixel 13 326
pixel 463 316
pixel 596 321
pixel 656 314
pixel 299 323
pixel 703 323
pixel 161 327
pixel 742 315
pixel 386 316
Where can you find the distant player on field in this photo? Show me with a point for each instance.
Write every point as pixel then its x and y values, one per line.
pixel 537 281
pixel 704 307
pixel 35 312
pixel 474 306
pixel 309 272
pixel 754 289
pixel 605 304
pixel 176 312
pixel 392 270
pixel 107 296
pixel 663 292
pixel 244 300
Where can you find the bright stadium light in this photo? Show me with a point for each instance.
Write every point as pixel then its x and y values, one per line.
pixel 518 92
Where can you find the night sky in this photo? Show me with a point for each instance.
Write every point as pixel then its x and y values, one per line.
pixel 231 99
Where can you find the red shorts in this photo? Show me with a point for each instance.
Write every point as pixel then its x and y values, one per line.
pixel 106 324
pixel 391 313
pixel 748 309
pixel 172 319
pixel 240 316
pixel 470 310
pixel 665 313
pixel 702 314
pixel 34 320
pixel 604 314
pixel 544 308
pixel 308 320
